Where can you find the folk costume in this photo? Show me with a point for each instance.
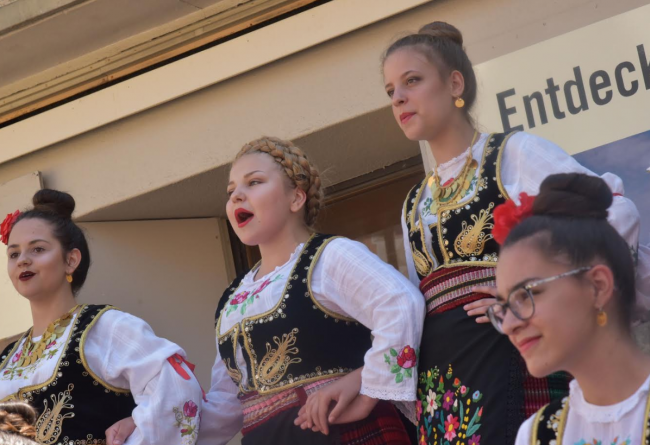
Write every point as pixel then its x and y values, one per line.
pixel 283 336
pixel 95 366
pixel 473 385
pixel 574 421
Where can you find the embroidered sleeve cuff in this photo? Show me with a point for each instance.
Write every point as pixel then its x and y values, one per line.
pixel 394 394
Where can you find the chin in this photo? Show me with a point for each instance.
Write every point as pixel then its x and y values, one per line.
pixel 413 134
pixel 541 367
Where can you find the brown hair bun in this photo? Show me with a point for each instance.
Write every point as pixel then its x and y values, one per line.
pixel 18 418
pixel 55 202
pixel 573 195
pixel 442 30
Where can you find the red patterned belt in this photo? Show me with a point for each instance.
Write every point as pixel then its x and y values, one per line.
pixel 447 288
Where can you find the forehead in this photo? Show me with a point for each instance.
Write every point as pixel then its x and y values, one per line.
pixel 252 162
pixel 28 229
pixel 405 59
pixel 519 262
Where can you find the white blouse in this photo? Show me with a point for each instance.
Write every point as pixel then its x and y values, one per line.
pixel 621 424
pixel 526 161
pixel 351 281
pixel 123 351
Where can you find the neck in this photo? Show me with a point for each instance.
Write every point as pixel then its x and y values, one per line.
pixel 452 140
pixel 47 310
pixel 611 369
pixel 277 251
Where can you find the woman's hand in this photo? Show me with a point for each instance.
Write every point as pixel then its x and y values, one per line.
pixel 120 431
pixel 348 405
pixel 479 307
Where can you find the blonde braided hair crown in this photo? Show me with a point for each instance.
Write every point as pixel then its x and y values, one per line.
pixel 17 418
pixel 296 166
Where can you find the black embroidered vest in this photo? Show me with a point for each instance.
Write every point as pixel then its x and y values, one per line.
pixel 550 422
pixel 463 233
pixel 74 405
pixel 298 341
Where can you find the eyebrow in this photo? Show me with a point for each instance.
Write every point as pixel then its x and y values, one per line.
pixel 30 243
pixel 247 175
pixel 522 283
pixel 401 77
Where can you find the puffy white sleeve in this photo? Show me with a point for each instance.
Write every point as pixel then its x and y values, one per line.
pixel 223 413
pixel 529 159
pixel 351 280
pixel 410 265
pixel 123 351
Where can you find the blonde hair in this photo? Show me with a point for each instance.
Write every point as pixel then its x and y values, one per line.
pixel 296 166
pixel 18 418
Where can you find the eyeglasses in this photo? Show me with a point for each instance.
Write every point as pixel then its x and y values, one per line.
pixel 521 302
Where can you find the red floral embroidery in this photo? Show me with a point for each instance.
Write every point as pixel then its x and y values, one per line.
pixel 407 358
pixel 190 409
pixel 262 286
pixel 239 298
pixel 509 214
pixel 7 225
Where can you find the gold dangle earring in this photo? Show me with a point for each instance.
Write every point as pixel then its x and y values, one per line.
pixel 601 318
pixel 460 103
pixel 68 277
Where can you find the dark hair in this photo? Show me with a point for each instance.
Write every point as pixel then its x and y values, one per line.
pixel 16 419
pixel 442 44
pixel 56 208
pixel 570 221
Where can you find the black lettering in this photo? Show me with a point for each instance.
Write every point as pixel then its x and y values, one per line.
pixel 620 83
pixel 645 66
pixel 540 107
pixel 570 104
pixel 595 86
pixel 552 93
pixel 505 111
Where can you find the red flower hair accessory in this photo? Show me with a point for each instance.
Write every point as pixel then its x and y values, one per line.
pixel 509 214
pixel 7 225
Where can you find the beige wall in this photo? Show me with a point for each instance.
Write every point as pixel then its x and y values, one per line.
pixel 170 273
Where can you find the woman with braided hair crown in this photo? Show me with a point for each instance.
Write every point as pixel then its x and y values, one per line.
pixel 17 424
pixel 302 319
pixel 566 295
pixel 473 387
pixel 84 367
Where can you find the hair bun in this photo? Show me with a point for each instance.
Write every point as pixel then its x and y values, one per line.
pixel 54 201
pixel 442 30
pixel 18 418
pixel 573 195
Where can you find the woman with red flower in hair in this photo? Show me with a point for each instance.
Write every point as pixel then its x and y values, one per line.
pixel 448 222
pixel 566 298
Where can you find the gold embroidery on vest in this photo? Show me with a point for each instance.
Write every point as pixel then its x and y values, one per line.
pixel 234 373
pixel 48 425
pixel 422 265
pixel 472 239
pixel 275 362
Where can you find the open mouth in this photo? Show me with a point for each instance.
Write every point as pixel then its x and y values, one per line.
pixel 26 276
pixel 243 217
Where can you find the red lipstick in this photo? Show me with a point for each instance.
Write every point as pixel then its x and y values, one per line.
pixel 26 276
pixel 405 117
pixel 243 217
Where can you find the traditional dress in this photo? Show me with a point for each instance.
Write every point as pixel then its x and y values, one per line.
pixel 100 366
pixel 473 385
pixel 301 327
pixel 574 421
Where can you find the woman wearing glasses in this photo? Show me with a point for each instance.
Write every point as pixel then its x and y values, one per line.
pixel 566 295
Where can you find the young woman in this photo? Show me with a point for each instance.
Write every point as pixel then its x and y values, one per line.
pixel 84 367
pixel 303 317
pixel 473 386
pixel 566 291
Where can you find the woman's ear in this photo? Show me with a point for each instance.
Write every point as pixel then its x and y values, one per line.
pixel 72 260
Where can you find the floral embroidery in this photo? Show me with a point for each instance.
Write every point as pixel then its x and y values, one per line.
pixel 450 413
pixel 406 359
pixel 628 441
pixel 244 299
pixel 188 421
pixel 13 372
pixel 426 210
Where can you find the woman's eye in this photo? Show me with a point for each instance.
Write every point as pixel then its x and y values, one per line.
pixel 411 80
pixel 39 249
pixel 254 182
pixel 390 93
pixel 13 255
